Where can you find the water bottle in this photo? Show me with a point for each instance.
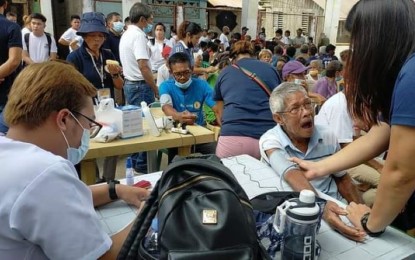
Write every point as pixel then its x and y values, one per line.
pixel 129 172
pixel 297 221
pixel 151 240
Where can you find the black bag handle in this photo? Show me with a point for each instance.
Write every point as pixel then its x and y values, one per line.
pixel 140 227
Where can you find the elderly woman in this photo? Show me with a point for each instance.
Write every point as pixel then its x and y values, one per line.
pixel 91 60
pixel 243 103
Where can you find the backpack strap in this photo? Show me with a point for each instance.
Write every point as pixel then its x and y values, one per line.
pixel 140 227
pixel 48 38
pixel 255 78
pixel 26 40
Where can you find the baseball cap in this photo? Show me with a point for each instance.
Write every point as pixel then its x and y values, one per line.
pixel 293 67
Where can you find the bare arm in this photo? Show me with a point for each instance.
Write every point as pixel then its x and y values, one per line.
pixel 117 242
pixel 359 151
pixel 26 58
pixel 53 56
pixel 15 57
pixel 397 181
pixel 131 195
pixel 217 109
pixel 182 117
pixel 148 76
pixel 64 42
pixel 347 189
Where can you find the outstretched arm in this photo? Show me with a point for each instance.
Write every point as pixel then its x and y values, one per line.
pixel 359 151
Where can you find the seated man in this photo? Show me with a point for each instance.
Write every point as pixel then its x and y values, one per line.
pixel 334 114
pixel 183 98
pixel 46 211
pixel 296 136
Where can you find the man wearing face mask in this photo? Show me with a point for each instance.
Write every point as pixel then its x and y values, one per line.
pixel 115 29
pixel 47 212
pixel 183 98
pixel 139 84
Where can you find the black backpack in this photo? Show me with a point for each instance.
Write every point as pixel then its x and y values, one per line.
pixel 185 192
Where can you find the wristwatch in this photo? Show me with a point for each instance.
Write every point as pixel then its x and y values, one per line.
pixel 111 189
pixel 363 222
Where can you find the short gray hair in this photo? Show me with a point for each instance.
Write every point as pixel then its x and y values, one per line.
pixel 138 10
pixel 318 62
pixel 280 93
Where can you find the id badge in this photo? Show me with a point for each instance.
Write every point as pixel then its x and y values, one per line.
pixel 103 93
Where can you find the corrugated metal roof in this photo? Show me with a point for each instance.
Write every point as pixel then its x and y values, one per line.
pixel 227 3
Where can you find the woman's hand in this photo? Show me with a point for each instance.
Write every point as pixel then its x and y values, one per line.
pixel 356 212
pixel 312 169
pixel 114 69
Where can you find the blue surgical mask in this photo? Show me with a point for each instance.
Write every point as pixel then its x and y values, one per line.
pixel 185 85
pixel 118 26
pixel 75 155
pixel 148 28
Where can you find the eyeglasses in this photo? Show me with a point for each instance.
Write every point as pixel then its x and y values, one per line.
pixel 309 105
pixel 94 126
pixel 184 74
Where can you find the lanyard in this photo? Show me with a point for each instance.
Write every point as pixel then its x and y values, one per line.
pixel 100 71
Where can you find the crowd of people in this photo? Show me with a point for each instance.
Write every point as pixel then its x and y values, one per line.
pixel 287 102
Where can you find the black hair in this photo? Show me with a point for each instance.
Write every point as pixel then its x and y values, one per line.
pixel 178 57
pixel 370 79
pixel 237 36
pixel 188 27
pixel 75 16
pixel 127 19
pixel 278 50
pixel 279 31
pixel 330 47
pixel 312 50
pixel 111 15
pixel 38 16
pixel 288 31
pixel 291 51
pixel 213 46
pixel 157 24
pixel 301 60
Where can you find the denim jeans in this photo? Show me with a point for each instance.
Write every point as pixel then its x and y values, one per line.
pixel 135 92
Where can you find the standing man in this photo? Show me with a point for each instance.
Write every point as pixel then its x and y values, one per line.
pixel 299 40
pixel 38 46
pixel 69 37
pixel 244 32
pixel 112 42
pixel 10 53
pixel 139 83
pixel 224 41
pixel 286 39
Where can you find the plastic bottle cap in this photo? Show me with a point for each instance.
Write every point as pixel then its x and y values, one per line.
pixel 129 163
pixel 307 196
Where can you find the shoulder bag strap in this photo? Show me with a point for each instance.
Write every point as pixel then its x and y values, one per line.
pixel 255 78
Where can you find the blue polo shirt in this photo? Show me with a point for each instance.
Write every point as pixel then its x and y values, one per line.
pixel 10 36
pixel 191 99
pixel 322 144
pixel 83 62
pixel 112 42
pixel 246 105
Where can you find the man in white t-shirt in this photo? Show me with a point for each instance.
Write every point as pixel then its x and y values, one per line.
pixel 139 83
pixel 47 212
pixel 224 41
pixel 69 37
pixel 36 48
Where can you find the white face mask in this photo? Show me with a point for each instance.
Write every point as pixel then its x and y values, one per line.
pixel 118 26
pixel 185 85
pixel 75 155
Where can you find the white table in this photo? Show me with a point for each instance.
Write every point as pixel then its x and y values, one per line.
pixel 257 178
